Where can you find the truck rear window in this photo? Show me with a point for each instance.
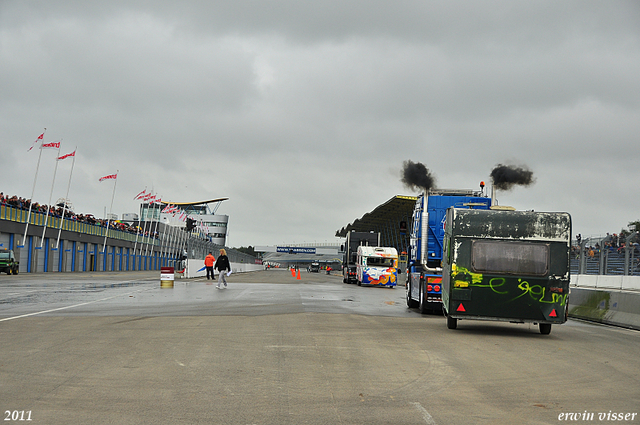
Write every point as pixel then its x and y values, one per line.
pixel 502 257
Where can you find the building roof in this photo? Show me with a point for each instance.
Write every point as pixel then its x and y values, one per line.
pixel 391 211
pixel 184 204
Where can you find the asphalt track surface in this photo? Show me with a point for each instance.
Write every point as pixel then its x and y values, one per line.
pixel 115 348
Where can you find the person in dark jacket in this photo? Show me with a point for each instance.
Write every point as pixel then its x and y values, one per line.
pixel 223 266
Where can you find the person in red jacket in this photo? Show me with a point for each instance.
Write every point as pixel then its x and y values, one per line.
pixel 208 263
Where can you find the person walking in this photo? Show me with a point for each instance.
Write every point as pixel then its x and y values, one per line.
pixel 223 266
pixel 208 263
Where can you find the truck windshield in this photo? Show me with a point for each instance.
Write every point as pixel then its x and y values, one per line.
pixel 379 262
pixel 518 258
pixel 5 255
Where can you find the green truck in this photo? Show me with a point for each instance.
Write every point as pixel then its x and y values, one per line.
pixel 8 263
pixel 506 265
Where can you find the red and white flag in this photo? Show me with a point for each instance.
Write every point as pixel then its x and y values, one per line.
pixel 54 145
pixel 67 155
pixel 109 177
pixel 151 199
pixel 141 194
pixel 40 137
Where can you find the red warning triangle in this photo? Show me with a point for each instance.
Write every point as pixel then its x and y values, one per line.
pixel 553 313
pixel 460 308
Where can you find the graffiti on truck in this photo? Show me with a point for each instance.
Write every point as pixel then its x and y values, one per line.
pixel 463 278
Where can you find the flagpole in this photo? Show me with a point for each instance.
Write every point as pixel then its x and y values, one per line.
pixel 171 244
pixel 146 248
pixel 146 222
pixel 174 243
pixel 145 236
pixel 53 181
pixel 155 202
pixel 138 228
pixel 64 207
pixel 164 232
pixel 155 228
pixel 24 239
pixel 144 231
pixel 169 247
pixel 166 235
pixel 113 195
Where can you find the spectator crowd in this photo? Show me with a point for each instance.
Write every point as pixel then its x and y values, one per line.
pixel 57 211
pixel 614 243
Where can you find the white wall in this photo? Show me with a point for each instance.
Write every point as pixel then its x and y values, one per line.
pixel 194 266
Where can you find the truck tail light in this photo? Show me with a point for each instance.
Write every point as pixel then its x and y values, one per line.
pixel 436 288
pixel 429 288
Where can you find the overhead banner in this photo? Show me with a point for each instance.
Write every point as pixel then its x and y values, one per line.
pixel 295 250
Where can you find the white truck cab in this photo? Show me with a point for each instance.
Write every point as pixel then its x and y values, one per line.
pixel 377 266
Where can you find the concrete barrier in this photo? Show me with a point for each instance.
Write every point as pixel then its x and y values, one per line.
pixel 606 282
pixel 613 307
pixel 195 268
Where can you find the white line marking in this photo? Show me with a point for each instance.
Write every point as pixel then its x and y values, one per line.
pixel 425 415
pixel 69 306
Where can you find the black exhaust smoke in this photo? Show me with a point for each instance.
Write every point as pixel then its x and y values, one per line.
pixel 504 177
pixel 416 176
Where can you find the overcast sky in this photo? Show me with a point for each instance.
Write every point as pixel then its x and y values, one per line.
pixel 302 113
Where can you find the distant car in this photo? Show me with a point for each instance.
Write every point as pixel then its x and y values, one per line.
pixel 314 268
pixel 8 263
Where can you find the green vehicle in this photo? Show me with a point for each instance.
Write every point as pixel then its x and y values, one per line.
pixel 506 265
pixel 8 263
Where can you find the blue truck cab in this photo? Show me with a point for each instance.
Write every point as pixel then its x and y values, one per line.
pixel 424 269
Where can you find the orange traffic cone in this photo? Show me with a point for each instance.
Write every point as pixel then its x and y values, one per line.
pixel 298 278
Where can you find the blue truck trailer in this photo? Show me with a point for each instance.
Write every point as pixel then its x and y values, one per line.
pixel 424 269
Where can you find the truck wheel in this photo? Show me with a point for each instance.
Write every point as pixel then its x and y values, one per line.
pixel 422 303
pixel 451 322
pixel 15 271
pixel 411 303
pixel 545 328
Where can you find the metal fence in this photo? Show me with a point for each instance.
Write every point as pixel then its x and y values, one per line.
pixel 603 256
